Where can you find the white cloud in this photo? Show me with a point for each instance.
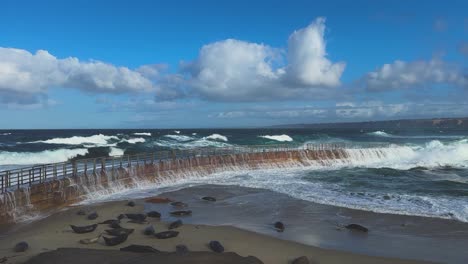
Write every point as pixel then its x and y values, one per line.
pixel 27 75
pixel 401 74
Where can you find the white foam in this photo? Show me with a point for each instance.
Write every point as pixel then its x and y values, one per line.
pixel 5 134
pixel 194 134
pixel 379 134
pixel 217 137
pixel 177 131
pixel 133 140
pixel 142 134
pixel 281 138
pixel 116 152
pixel 199 143
pixel 180 137
pixel 97 140
pixel 43 157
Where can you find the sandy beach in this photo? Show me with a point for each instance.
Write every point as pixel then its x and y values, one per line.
pixel 54 232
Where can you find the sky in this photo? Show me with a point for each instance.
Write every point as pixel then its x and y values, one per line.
pixel 191 64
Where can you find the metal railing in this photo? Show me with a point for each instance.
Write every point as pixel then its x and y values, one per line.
pixel 17 178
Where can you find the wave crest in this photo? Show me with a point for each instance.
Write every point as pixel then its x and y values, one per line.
pixel 280 138
pixel 99 140
pixel 142 134
pixel 217 137
pixel 43 157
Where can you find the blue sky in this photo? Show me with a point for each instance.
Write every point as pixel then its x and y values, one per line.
pixel 155 64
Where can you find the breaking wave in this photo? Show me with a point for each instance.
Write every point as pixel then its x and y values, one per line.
pixel 281 138
pixel 217 137
pixel 5 134
pixel 98 140
pixel 180 137
pixel 43 157
pixel 133 140
pixel 116 152
pixel 142 134
pixel 379 134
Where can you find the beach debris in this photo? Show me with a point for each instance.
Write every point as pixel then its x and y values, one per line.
pixel 356 227
pixel 93 216
pixel 209 198
pixel 175 224
pixel 131 203
pixel 154 214
pixel 158 200
pixel 136 217
pixel 149 230
pixel 166 234
pixel 140 249
pixel 181 213
pixel 301 260
pixel 112 241
pixel 119 231
pixel 179 204
pixel 279 226
pixel 216 246
pixel 88 241
pixel 81 212
pixel 182 250
pixel 21 246
pixel 83 229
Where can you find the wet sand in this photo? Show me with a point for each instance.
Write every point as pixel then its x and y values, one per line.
pixel 54 232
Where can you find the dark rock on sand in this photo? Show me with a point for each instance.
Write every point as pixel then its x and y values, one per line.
pixel 209 198
pixel 301 260
pixel 154 214
pixel 131 203
pixel 119 231
pixel 279 226
pixel 21 247
pixel 356 227
pixel 181 213
pixel 182 250
pixel 179 204
pixel 113 241
pixel 137 217
pixel 149 230
pixel 83 229
pixel 93 216
pixel 175 224
pixel 166 234
pixel 140 249
pixel 216 246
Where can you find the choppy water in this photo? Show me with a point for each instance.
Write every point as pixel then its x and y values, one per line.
pixel 421 173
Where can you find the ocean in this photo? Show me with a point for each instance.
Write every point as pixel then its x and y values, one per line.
pixel 414 172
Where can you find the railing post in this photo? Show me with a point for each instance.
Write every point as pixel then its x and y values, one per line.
pixel 55 171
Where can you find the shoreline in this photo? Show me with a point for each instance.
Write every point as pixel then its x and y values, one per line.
pixel 53 232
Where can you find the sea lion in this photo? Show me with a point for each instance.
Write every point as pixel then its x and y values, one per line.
pixel 175 224
pixel 21 246
pixel 209 199
pixel 140 249
pixel 93 216
pixel 279 226
pixel 137 217
pixel 357 227
pixel 131 204
pixel 182 250
pixel 301 260
pixel 83 229
pixel 154 214
pixel 112 241
pixel 149 230
pixel 179 204
pixel 181 213
pixel 216 246
pixel 88 241
pixel 166 234
pixel 119 231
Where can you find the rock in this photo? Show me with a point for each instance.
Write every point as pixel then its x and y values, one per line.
pixel 301 260
pixel 209 198
pixel 166 234
pixel 154 214
pixel 131 203
pixel 356 227
pixel 182 250
pixel 175 224
pixel 216 246
pixel 149 230
pixel 140 249
pixel 93 216
pixel 279 226
pixel 181 213
pixel 21 247
pixel 81 212
pixel 179 204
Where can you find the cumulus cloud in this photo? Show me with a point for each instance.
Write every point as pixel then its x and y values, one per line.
pixel 401 74
pixel 369 109
pixel 234 70
pixel 25 77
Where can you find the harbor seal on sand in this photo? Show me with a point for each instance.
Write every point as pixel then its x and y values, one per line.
pixel 136 217
pixel 301 260
pixel 181 213
pixel 216 246
pixel 93 216
pixel 131 204
pixel 149 230
pixel 112 241
pixel 279 226
pixel 119 231
pixel 182 250
pixel 21 247
pixel 166 234
pixel 209 199
pixel 154 214
pixel 356 227
pixel 83 229
pixel 175 224
pixel 179 204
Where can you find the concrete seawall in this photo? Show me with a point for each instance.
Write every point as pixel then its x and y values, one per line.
pixel 58 193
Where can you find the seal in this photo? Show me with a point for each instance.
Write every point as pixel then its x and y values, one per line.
pixel 112 241
pixel 166 234
pixel 175 224
pixel 154 214
pixel 182 250
pixel 119 231
pixel 121 216
pixel 179 204
pixel 301 260
pixel 139 221
pixel 140 249
pixel 356 227
pixel 181 213
pixel 93 216
pixel 83 229
pixel 149 230
pixel 209 199
pixel 81 212
pixel 88 241
pixel 21 246
pixel 279 226
pixel 216 246
pixel 131 204
pixel 137 217
pixel 109 222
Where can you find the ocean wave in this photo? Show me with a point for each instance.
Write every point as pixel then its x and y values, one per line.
pixel 180 137
pixel 199 143
pixel 142 134
pixel 388 135
pixel 5 134
pixel 380 134
pixel 43 157
pixel 217 137
pixel 133 140
pixel 177 131
pixel 116 152
pixel 97 140
pixel 281 138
